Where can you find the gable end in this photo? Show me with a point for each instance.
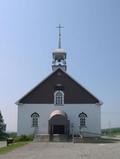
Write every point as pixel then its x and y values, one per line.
pixel 74 93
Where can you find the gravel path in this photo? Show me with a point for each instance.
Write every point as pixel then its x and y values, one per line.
pixel 65 151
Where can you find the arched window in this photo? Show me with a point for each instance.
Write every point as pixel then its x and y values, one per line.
pixel 82 117
pixel 59 98
pixel 35 119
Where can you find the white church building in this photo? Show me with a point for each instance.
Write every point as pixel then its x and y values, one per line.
pixel 59 104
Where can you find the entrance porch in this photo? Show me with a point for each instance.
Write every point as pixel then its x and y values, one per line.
pixel 58 123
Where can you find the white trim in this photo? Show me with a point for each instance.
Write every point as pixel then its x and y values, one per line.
pixel 58 112
pixel 35 119
pixel 83 117
pixel 55 101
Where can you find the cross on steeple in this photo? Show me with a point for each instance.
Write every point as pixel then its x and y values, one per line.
pixel 59 55
pixel 59 42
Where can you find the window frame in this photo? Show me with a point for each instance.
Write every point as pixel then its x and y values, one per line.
pixel 82 117
pixel 35 119
pixel 59 99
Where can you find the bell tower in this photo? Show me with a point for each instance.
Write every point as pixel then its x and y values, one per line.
pixel 59 55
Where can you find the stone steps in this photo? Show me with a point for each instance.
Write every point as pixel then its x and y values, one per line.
pixel 59 138
pixel 41 138
pixel 86 140
pixel 52 138
pixel 63 138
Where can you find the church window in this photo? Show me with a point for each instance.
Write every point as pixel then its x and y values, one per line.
pixel 35 119
pixel 82 117
pixel 59 98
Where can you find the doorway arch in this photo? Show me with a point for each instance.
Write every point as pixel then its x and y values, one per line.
pixel 58 123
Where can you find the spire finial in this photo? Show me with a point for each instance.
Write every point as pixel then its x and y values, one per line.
pixel 59 42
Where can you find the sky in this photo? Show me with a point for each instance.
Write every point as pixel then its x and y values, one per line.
pixel 91 38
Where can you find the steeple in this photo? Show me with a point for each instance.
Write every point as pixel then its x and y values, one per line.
pixel 59 55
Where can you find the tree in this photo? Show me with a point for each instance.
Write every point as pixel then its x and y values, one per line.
pixel 2 127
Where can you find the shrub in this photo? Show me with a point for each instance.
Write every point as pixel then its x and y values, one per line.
pixel 3 134
pixel 12 135
pixel 23 138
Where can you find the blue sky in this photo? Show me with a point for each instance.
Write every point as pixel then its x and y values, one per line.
pixel 91 38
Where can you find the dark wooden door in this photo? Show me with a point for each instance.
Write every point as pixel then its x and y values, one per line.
pixel 58 129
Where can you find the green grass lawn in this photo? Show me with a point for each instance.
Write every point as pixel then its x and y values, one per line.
pixel 11 147
pixel 111 132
